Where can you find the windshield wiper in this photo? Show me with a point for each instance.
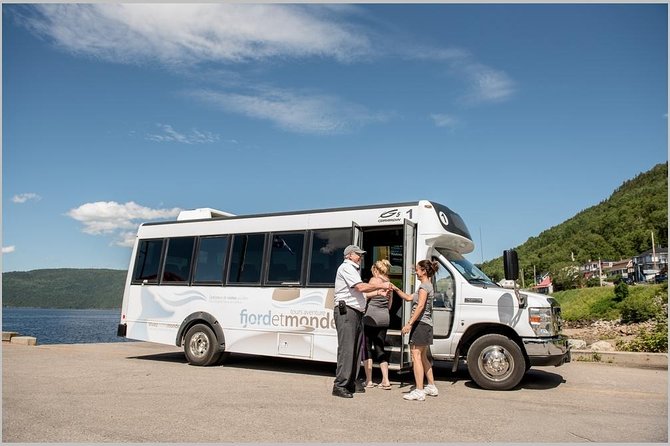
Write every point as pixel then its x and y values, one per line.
pixel 480 280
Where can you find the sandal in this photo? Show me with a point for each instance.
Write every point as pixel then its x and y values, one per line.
pixel 385 387
pixel 370 385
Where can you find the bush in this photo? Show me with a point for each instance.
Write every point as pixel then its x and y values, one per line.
pixel 604 309
pixel 593 282
pixel 639 308
pixel 620 291
pixel 656 341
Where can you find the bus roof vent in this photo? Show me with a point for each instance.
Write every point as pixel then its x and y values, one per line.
pixel 202 213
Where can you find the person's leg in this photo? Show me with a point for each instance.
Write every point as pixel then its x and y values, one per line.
pixel 381 355
pixel 418 394
pixel 417 365
pixel 427 366
pixel 356 319
pixel 384 366
pixel 368 335
pixel 346 339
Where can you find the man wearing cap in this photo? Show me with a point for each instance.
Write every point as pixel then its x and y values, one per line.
pixel 350 296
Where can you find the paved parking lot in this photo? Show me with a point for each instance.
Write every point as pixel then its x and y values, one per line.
pixel 142 392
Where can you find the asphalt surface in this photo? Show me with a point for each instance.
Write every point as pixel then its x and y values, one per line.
pixel 141 392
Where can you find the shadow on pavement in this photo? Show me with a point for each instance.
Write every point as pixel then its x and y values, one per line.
pixel 242 361
pixel 532 380
pixel 284 365
pixel 177 357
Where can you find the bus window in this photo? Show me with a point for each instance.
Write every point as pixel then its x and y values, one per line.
pixel 178 260
pixel 148 261
pixel 286 257
pixel 210 260
pixel 327 249
pixel 246 258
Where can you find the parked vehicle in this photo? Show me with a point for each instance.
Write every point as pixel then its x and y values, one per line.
pixel 263 284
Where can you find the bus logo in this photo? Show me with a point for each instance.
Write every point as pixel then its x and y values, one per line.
pixel 389 214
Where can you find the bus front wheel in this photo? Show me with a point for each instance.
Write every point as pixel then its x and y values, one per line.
pixel 495 362
pixel 200 346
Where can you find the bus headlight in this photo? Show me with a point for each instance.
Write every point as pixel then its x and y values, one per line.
pixel 541 322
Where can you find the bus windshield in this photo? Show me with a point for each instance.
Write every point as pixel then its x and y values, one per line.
pixel 471 273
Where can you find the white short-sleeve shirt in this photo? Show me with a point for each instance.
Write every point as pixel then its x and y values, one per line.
pixel 348 276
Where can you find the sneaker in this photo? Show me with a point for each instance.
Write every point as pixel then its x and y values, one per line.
pixel 431 390
pixel 415 395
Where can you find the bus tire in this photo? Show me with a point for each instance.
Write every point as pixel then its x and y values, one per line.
pixel 495 362
pixel 200 346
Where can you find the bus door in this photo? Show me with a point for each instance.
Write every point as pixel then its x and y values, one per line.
pixel 400 357
pixel 357 238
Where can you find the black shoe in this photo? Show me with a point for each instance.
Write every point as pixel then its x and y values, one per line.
pixel 341 392
pixel 359 387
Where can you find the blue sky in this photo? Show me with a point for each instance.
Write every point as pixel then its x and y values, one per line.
pixel 515 116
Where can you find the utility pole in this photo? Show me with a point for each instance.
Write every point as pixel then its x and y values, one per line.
pixel 600 271
pixel 481 244
pixel 653 251
pixel 534 276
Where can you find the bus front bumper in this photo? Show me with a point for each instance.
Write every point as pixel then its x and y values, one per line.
pixel 547 351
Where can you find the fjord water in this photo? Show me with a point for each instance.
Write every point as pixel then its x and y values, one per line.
pixel 63 326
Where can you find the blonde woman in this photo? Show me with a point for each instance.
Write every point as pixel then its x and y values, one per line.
pixel 420 329
pixel 375 324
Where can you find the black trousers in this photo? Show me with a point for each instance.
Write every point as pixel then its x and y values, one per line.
pixel 349 328
pixel 375 338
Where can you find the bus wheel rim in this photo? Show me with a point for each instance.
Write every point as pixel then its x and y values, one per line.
pixel 199 344
pixel 496 362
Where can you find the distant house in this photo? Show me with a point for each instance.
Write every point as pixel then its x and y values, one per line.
pixel 545 286
pixel 623 268
pixel 650 263
pixel 595 268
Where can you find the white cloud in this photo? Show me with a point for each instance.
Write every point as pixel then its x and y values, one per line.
pixel 444 120
pixel 484 84
pixel 171 135
pixel 216 43
pixel 177 34
pixel 22 198
pixel 8 249
pixel 487 84
pixel 293 111
pixel 116 219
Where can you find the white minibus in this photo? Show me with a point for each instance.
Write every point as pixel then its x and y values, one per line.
pixel 217 283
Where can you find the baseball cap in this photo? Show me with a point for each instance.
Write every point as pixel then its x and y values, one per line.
pixel 353 248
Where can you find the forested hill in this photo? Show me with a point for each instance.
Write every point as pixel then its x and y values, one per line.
pixel 64 288
pixel 617 228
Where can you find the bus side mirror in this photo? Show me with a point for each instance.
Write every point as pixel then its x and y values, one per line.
pixel 511 264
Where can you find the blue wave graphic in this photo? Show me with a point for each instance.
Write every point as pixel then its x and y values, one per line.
pixel 184 298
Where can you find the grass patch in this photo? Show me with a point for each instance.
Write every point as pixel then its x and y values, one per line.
pixel 592 304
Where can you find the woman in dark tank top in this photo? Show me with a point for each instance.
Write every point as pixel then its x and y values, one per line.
pixel 375 324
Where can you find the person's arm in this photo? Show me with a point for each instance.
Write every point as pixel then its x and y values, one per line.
pixel 353 279
pixel 369 287
pixel 401 293
pixel 371 294
pixel 417 313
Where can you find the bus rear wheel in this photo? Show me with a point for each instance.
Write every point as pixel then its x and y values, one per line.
pixel 495 362
pixel 201 346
